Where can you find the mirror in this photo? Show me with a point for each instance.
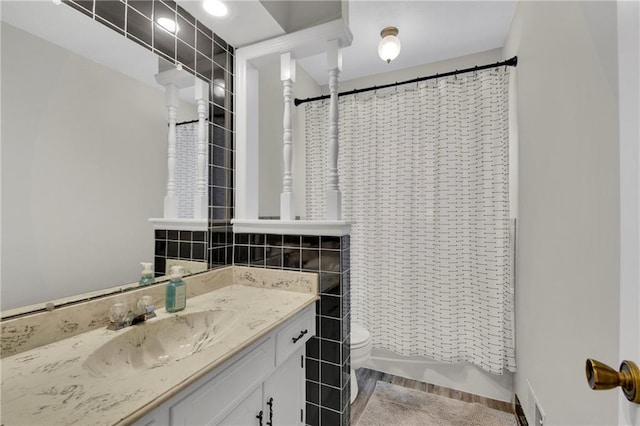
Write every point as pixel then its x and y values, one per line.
pixel 84 154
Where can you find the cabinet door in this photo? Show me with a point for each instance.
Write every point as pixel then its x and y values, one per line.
pixel 214 399
pixel 284 392
pixel 247 412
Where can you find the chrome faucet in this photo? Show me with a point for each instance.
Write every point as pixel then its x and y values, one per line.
pixel 120 317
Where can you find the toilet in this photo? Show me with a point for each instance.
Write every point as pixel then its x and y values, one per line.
pixel 360 345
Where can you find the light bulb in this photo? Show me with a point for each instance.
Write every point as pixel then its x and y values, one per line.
pixel 215 7
pixel 168 24
pixel 389 47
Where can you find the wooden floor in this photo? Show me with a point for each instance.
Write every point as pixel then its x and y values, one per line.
pixel 367 383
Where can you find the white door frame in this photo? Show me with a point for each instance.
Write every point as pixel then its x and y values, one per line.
pixel 629 127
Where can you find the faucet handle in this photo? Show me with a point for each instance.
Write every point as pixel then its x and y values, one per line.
pixel 118 313
pixel 119 316
pixel 145 306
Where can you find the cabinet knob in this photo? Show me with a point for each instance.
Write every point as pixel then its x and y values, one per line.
pixel 302 333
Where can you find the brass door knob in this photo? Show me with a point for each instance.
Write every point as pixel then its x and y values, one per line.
pixel 600 377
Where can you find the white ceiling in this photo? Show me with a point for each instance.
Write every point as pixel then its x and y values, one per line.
pixel 61 25
pixel 247 21
pixel 429 31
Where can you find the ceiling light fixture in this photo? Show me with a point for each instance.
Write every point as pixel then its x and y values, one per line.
pixel 218 87
pixel 215 8
pixel 168 24
pixel 389 47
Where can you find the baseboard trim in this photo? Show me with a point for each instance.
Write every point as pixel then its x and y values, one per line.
pixel 520 417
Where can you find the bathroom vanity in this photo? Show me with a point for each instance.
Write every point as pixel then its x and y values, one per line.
pixel 234 356
pixel 264 384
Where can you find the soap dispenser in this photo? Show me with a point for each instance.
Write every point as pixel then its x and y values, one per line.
pixel 176 297
pixel 147 275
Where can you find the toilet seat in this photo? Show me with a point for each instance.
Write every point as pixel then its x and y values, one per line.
pixel 360 336
pixel 360 348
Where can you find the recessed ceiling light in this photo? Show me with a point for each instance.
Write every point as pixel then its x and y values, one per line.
pixel 168 24
pixel 57 2
pixel 215 7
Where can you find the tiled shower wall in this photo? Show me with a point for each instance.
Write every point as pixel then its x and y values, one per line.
pixel 328 355
pixel 202 53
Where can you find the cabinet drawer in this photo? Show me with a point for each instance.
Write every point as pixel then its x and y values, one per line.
pixel 212 401
pixel 293 336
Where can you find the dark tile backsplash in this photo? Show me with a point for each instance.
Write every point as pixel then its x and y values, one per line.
pixel 203 53
pixel 182 245
pixel 328 356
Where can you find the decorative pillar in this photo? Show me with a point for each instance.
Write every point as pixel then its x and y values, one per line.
pixel 171 200
pixel 288 77
pixel 201 199
pixel 334 65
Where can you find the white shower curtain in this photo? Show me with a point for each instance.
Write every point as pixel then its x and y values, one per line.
pixel 424 173
pixel 185 170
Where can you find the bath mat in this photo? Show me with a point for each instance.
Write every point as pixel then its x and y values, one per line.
pixel 394 405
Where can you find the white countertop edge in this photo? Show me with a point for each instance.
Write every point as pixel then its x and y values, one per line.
pixel 179 224
pixel 295 227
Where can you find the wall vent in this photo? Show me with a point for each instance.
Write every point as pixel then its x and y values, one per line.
pixel 539 418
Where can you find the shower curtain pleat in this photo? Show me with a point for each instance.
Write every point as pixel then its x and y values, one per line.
pixel 424 173
pixel 185 170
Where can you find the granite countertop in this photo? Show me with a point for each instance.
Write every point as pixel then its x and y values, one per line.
pixel 52 384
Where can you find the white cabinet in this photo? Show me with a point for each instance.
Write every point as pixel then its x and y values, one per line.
pixel 284 392
pixel 279 401
pixel 267 377
pixel 249 412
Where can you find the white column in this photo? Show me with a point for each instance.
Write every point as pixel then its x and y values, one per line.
pixel 201 199
pixel 247 137
pixel 334 65
pixel 288 77
pixel 171 199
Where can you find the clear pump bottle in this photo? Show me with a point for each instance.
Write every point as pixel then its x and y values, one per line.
pixel 176 296
pixel 147 275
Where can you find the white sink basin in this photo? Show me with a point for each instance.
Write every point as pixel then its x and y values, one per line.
pixel 160 342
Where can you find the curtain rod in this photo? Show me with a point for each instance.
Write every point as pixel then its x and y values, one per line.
pixel 187 122
pixel 509 62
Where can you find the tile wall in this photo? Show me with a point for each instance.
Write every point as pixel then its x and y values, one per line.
pixel 328 356
pixel 182 245
pixel 202 53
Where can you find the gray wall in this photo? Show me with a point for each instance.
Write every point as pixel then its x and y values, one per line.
pixel 446 65
pixel 83 168
pixel 567 265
